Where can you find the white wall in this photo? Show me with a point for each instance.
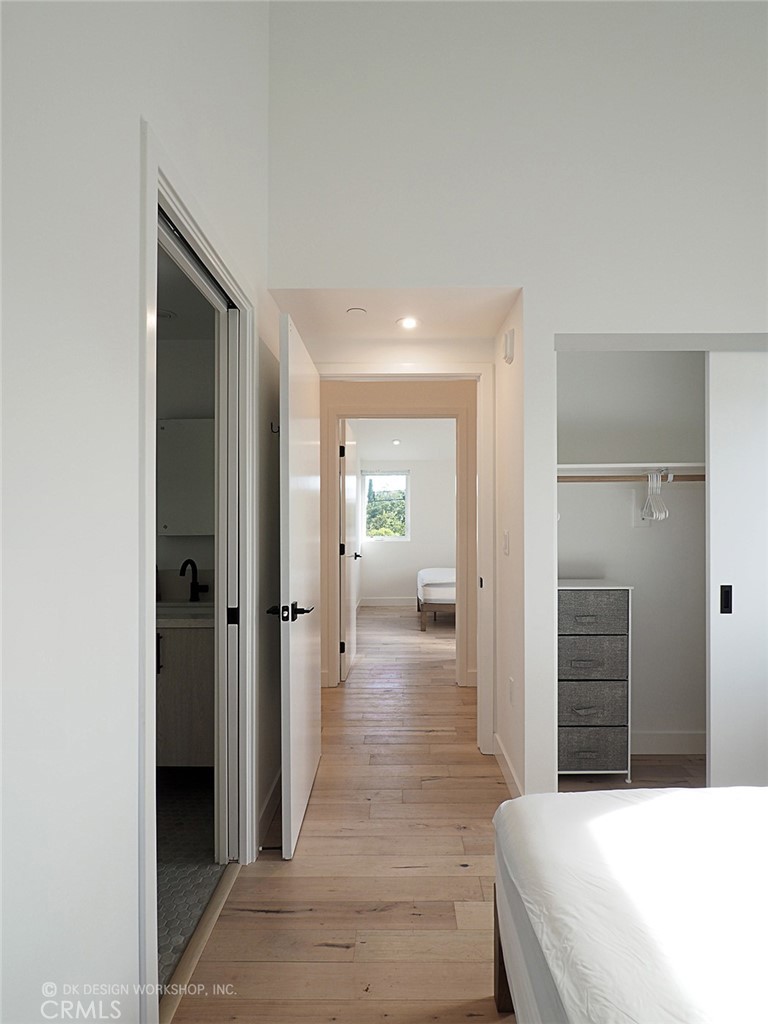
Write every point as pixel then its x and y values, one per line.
pixel 389 567
pixel 737 486
pixel 77 79
pixel 616 407
pixel 564 148
pixel 567 148
pixel 509 690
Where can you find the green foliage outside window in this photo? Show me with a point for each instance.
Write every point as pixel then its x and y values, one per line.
pixel 385 509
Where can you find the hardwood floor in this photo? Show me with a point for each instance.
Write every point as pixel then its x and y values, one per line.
pixel 384 916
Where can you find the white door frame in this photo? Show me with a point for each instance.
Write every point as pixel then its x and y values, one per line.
pixel 161 186
pixel 483 373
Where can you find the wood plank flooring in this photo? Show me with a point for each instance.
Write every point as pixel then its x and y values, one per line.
pixel 384 914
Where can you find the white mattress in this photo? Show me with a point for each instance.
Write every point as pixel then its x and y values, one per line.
pixel 438 594
pixel 650 906
pixel 435 578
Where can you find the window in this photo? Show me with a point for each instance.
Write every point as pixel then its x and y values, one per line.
pixel 386 506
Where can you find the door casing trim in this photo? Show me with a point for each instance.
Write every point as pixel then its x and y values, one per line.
pixel 162 185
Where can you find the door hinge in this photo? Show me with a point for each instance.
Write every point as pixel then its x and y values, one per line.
pixel 342 648
pixel 342 549
pixel 342 451
pixel 233 616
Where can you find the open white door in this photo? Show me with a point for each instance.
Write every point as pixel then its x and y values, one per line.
pixel 299 577
pixel 737 542
pixel 350 552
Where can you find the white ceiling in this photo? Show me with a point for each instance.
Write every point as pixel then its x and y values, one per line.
pixel 419 440
pixel 444 314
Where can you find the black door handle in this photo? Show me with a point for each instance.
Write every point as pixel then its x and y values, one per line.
pixel 274 610
pixel 358 555
pixel 296 611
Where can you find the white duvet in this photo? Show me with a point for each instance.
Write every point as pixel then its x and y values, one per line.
pixel 651 906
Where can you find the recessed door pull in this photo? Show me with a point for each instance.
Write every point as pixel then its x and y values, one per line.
pixel 296 611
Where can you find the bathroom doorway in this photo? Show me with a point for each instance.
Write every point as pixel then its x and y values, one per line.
pixel 196 556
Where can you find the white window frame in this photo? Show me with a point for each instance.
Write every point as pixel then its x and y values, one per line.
pixel 364 474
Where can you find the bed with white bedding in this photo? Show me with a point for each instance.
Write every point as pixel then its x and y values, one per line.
pixel 435 592
pixel 635 907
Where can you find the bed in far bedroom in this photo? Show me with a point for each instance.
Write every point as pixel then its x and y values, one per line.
pixel 435 593
pixel 644 906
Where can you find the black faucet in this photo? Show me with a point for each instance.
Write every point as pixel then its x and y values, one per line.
pixel 195 588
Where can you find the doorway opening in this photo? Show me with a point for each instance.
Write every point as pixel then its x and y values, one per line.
pixel 196 553
pixel 397 564
pixel 632 568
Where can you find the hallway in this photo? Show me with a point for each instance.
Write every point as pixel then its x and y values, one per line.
pixel 384 916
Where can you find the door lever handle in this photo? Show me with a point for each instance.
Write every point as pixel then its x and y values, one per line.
pixel 274 610
pixel 357 555
pixel 296 611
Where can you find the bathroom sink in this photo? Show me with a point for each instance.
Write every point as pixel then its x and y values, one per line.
pixel 185 610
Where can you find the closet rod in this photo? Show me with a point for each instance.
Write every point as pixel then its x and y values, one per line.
pixel 643 478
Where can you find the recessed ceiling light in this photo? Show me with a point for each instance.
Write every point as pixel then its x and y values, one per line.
pixel 357 310
pixel 395 441
pixel 408 322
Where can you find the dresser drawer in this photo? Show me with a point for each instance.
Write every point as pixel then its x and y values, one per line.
pixel 592 703
pixel 592 611
pixel 592 657
pixel 592 749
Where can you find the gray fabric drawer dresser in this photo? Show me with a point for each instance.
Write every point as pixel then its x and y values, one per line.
pixel 594 677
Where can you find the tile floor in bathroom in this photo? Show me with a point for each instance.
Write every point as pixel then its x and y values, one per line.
pixel 186 872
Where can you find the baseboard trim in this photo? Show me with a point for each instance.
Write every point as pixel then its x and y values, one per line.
pixel 270 806
pixel 669 742
pixel 471 678
pixel 389 602
pixel 505 763
pixel 185 968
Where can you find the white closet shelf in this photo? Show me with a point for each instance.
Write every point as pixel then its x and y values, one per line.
pixel 628 472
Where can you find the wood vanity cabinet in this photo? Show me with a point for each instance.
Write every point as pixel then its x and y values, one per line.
pixel 593 677
pixel 185 697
